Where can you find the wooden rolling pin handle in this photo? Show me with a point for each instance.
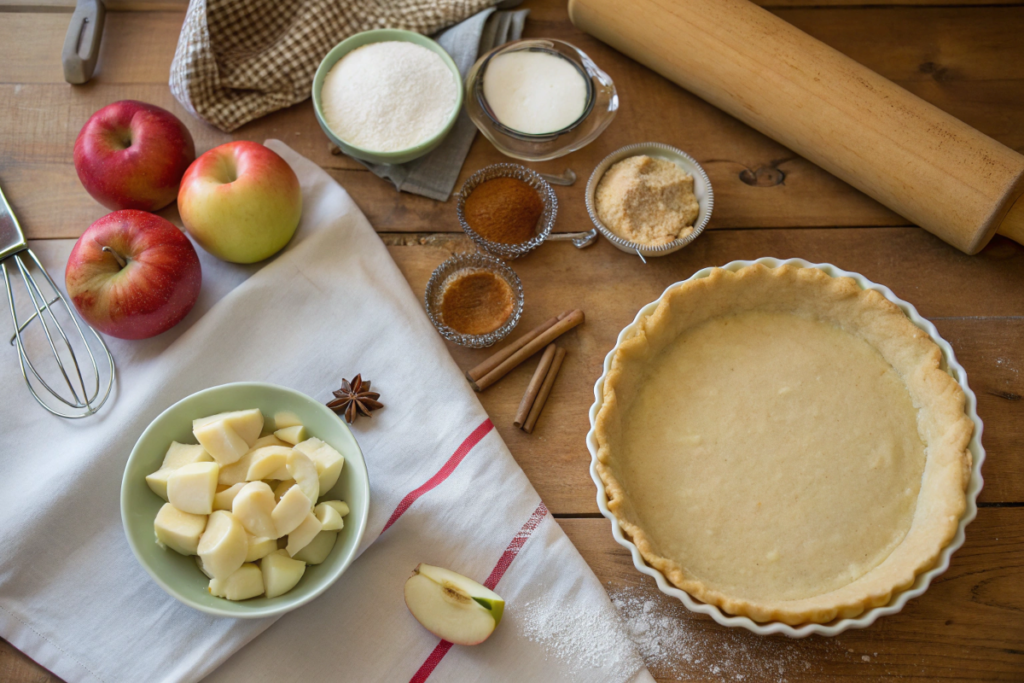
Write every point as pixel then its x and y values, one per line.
pixel 916 159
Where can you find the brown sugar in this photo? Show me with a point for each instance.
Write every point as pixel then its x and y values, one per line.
pixel 504 210
pixel 647 200
pixel 477 302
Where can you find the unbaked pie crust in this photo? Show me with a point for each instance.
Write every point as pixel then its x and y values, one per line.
pixel 783 444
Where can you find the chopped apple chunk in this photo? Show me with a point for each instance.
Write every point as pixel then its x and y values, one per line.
pixel 246 582
pixel 301 536
pixel 221 441
pixel 304 473
pixel 329 462
pixel 292 435
pixel 290 511
pixel 191 488
pixel 225 496
pixel 235 472
pixel 283 487
pixel 254 507
pixel 280 573
pixel 286 418
pixel 246 423
pixel 266 461
pixel 260 547
pixel 177 530
pixel 329 518
pixel 223 545
pixel 339 505
pixel 177 455
pixel 269 440
pixel 319 548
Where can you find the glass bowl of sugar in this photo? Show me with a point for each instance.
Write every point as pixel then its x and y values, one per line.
pixel 539 99
pixel 387 96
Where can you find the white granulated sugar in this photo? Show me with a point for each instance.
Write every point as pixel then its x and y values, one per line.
pixel 388 96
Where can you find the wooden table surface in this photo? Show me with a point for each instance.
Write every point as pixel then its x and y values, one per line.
pixel 965 56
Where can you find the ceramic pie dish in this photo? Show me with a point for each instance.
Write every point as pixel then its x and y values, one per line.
pixel 877 529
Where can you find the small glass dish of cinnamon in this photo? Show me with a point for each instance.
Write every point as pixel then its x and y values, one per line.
pixel 474 300
pixel 507 209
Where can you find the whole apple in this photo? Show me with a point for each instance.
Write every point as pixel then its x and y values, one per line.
pixel 131 155
pixel 133 275
pixel 240 201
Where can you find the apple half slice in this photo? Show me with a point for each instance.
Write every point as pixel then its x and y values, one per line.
pixel 451 606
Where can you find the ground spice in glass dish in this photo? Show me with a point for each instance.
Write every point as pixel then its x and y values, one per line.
pixel 476 302
pixel 504 210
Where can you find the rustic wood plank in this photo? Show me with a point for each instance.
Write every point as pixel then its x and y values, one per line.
pixel 15 667
pixel 969 625
pixel 611 287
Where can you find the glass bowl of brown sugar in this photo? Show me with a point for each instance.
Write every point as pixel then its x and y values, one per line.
pixel 474 300
pixel 507 209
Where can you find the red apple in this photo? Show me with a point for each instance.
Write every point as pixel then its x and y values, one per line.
pixel 133 275
pixel 241 202
pixel 131 155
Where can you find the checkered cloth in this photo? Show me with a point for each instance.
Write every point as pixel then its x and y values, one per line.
pixel 238 60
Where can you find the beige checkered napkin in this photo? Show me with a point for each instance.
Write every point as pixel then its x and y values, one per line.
pixel 238 60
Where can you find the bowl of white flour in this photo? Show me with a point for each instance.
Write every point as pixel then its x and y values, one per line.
pixel 387 96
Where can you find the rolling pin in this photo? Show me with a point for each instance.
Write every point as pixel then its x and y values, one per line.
pixel 922 163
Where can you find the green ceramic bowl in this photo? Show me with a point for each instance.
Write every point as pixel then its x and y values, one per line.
pixel 379 36
pixel 179 575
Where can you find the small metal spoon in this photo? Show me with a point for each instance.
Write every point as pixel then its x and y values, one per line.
pixel 566 178
pixel 580 240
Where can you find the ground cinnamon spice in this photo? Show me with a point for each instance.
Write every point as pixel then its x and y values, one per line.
pixel 477 302
pixel 504 210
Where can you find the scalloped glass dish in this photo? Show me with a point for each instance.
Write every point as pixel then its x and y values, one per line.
pixel 602 104
pixel 839 625
pixel 468 263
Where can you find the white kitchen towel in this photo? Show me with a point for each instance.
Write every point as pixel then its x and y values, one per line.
pixel 444 490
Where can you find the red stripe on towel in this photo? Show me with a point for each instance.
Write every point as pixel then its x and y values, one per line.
pixel 446 470
pixel 504 562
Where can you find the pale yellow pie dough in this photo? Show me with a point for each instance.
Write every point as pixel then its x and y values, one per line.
pixel 784 445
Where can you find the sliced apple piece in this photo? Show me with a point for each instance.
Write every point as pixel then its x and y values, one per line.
pixel 269 440
pixel 266 461
pixel 225 496
pixel 246 423
pixel 260 547
pixel 280 573
pixel 199 563
pixel 235 472
pixel 329 462
pixel 451 606
pixel 283 487
pixel 191 488
pixel 221 441
pixel 301 536
pixel 304 473
pixel 339 505
pixel 329 518
pixel 177 455
pixel 253 507
pixel 292 435
pixel 223 545
pixel 286 418
pixel 246 582
pixel 319 548
pixel 290 511
pixel 177 530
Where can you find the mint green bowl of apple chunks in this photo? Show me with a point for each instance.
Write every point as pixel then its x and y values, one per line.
pixel 245 500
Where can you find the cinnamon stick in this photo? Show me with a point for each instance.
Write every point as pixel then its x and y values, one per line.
pixel 545 391
pixel 496 359
pixel 543 339
pixel 534 386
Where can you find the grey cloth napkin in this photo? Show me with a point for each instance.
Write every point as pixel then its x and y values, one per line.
pixel 434 175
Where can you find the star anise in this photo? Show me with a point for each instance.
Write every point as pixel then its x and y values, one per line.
pixel 355 398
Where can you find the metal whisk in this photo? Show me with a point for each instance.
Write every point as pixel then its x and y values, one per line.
pixel 87 390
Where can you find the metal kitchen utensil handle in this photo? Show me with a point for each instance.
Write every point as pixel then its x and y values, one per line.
pixel 565 178
pixel 580 240
pixel 82 42
pixel 88 391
